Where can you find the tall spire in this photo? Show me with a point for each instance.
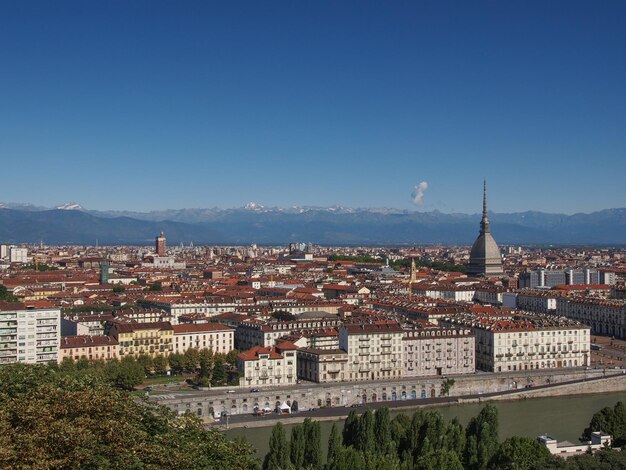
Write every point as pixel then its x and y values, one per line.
pixel 484 223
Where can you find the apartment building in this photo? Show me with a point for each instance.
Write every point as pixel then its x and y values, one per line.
pixel 374 350
pixel 89 347
pixel 438 351
pixel 215 336
pixel 274 365
pixel 445 291
pixel 322 365
pixel 142 338
pixel 29 335
pixel 539 301
pixel 518 341
pixel 260 333
pixel 605 317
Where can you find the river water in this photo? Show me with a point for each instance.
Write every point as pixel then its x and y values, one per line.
pixel 563 418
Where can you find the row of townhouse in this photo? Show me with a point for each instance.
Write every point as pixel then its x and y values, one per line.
pixel 150 338
pixel 518 341
pixel 207 307
pixel 253 332
pixel 453 292
pixel 605 317
pixel 381 350
pixel 533 300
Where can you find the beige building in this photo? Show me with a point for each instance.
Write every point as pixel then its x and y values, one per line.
pixel 518 341
pixel 374 350
pixel 606 317
pixel 214 336
pixel 89 347
pixel 438 351
pixel 142 338
pixel 274 365
pixel 322 365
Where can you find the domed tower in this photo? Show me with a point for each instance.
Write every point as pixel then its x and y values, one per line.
pixel 485 258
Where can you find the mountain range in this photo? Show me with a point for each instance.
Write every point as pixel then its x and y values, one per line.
pixel 254 223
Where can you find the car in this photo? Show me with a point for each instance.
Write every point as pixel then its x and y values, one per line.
pixel 254 390
pixel 357 405
pixel 230 391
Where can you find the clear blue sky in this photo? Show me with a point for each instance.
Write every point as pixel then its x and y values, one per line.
pixel 153 105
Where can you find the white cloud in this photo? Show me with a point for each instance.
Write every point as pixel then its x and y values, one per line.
pixel 418 193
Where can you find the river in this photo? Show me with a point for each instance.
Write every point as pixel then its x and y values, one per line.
pixel 561 417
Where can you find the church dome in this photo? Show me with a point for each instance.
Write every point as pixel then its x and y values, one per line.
pixel 485 258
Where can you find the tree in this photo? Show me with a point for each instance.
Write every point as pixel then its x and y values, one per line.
pixel 364 439
pixel 334 444
pixel 278 456
pixel 611 421
pixel 446 385
pixel 160 364
pixel 5 295
pixel 119 289
pixel 146 362
pixel 191 359
pixel 312 443
pixel 219 373
pixel 350 428
pixel 74 420
pixel 203 378
pixel 382 431
pixel 176 362
pixel 517 453
pixel 125 374
pixel 482 438
pixel 440 459
pixel 296 446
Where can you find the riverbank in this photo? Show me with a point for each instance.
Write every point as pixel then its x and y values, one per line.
pixel 564 417
pixel 590 386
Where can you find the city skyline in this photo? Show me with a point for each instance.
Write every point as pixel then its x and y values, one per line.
pixel 150 106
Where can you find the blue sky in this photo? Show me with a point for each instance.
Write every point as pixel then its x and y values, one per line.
pixel 153 105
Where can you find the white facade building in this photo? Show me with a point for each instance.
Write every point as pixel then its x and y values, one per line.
pixel 18 255
pixel 526 342
pixel 438 351
pixel 29 335
pixel 374 350
pixel 215 336
pixel 269 366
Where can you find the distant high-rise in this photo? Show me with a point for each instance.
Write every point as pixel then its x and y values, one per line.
pixel 485 258
pixel 160 245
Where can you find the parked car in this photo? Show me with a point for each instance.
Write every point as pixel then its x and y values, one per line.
pixel 254 390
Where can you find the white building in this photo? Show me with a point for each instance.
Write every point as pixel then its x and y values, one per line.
pixel 276 365
pixel 29 335
pixel 215 336
pixel 18 255
pixel 438 351
pixel 567 449
pixel 517 341
pixel 606 317
pixel 537 300
pixel 374 350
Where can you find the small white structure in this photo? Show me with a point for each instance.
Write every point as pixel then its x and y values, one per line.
pixel 567 449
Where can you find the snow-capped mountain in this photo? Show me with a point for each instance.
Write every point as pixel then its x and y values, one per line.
pixel 70 206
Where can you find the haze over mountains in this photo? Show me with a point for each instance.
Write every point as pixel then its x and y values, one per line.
pixel 72 224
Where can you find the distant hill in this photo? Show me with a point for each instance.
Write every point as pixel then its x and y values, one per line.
pixel 335 225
